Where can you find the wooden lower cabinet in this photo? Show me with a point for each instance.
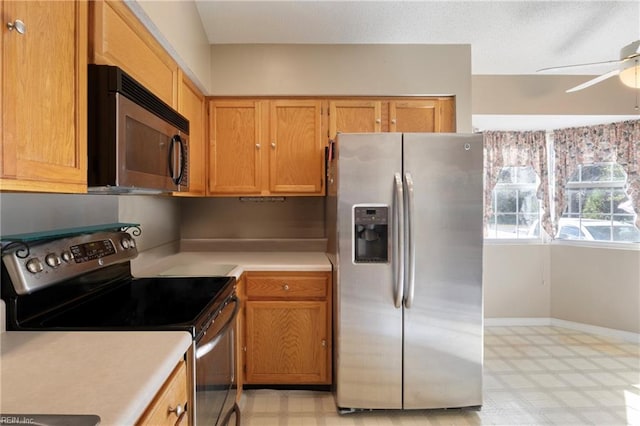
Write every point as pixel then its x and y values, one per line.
pixel 167 408
pixel 240 332
pixel 288 328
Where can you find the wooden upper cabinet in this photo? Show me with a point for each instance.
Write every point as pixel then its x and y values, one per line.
pixel 414 116
pixel 191 104
pixel 420 116
pixel 296 158
pixel 354 116
pixel 448 114
pixel 117 37
pixel 235 147
pixel 266 147
pixel 44 97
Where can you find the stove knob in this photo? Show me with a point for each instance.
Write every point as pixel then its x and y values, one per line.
pixel 34 265
pixel 67 256
pixel 125 243
pixel 53 260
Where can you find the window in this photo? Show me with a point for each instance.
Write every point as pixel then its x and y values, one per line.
pixel 597 206
pixel 516 210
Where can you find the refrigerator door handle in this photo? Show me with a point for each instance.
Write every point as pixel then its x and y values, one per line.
pixel 410 272
pixel 398 241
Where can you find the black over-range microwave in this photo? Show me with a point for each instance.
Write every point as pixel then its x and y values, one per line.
pixel 136 142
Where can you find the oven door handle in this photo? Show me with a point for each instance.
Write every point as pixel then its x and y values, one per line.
pixel 208 347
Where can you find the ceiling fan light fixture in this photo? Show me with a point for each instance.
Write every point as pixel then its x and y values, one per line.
pixel 630 75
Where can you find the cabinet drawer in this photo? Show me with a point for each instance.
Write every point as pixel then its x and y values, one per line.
pixel 287 286
pixel 172 394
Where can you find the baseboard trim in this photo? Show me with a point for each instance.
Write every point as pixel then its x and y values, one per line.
pixel 514 322
pixel 627 336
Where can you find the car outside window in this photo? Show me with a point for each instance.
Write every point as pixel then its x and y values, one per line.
pixel 598 208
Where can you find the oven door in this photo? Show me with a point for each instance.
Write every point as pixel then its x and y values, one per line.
pixel 215 368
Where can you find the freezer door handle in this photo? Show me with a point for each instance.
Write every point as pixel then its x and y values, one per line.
pixel 398 240
pixel 410 271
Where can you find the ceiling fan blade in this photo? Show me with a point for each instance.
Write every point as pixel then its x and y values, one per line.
pixel 564 67
pixel 594 81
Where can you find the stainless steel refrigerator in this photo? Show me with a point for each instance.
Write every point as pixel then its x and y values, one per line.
pixel 404 215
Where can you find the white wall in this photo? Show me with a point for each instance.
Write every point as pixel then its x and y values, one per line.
pixel 545 94
pixel 177 26
pixel 596 286
pixel 341 69
pixel 517 281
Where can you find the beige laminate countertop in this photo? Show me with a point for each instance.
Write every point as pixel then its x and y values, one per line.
pixel 206 263
pixel 114 375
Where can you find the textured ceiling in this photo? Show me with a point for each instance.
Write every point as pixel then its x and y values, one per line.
pixel 506 37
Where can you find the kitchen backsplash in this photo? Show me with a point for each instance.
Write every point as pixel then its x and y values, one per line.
pixel 167 219
pixel 158 216
pixel 291 217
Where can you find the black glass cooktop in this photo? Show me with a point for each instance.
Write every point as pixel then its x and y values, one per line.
pixel 144 302
pixel 110 299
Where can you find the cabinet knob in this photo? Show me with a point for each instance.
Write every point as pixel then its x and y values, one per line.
pixel 257 146
pixel 378 121
pixel 17 25
pixel 177 411
pixel 273 145
pixel 324 343
pixel 285 287
pixel 393 121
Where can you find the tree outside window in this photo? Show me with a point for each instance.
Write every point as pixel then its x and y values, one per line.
pixel 515 206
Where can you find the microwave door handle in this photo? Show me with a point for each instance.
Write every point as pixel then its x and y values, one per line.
pixel 176 179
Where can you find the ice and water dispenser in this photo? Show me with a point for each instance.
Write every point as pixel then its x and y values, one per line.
pixel 371 234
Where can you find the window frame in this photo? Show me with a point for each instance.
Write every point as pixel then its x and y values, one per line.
pixel 517 187
pixel 611 186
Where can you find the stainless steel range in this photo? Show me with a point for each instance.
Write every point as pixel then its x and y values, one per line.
pixel 84 283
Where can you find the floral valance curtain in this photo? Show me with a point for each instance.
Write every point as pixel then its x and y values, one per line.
pixel 616 142
pixel 516 149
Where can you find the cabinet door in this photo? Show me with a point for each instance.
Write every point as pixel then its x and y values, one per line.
pixel 240 336
pixel 119 38
pixel 162 410
pixel 296 160
pixel 414 116
pixel 235 147
pixel 448 115
pixel 287 342
pixel 44 90
pixel 354 116
pixel 191 105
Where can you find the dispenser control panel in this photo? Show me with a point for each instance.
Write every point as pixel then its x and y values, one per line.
pixel 371 234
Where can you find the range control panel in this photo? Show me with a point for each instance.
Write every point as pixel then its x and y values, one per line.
pixel 50 262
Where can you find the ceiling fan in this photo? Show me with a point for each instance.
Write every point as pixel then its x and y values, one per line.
pixel 628 68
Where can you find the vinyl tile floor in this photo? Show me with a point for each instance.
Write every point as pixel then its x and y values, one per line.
pixel 532 376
